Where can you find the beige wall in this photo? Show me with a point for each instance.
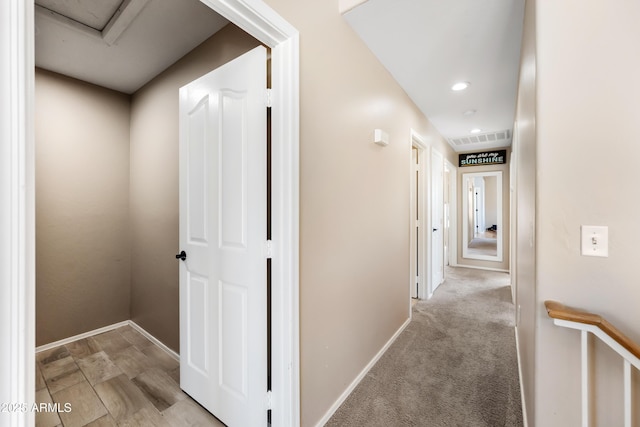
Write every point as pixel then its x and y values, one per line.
pixel 154 183
pixel 354 230
pixel 82 207
pixel 587 151
pixel 504 265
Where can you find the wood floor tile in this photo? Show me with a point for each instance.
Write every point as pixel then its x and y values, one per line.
pixel 146 417
pixel 40 384
pixel 58 368
pixel 46 419
pixel 82 348
pixel 52 355
pixel 161 357
pixel 187 413
pixel 63 381
pixel 106 421
pixel 111 342
pixel 134 337
pixel 98 367
pixel 159 388
pixel 121 397
pixel 175 374
pixel 85 405
pixel 132 361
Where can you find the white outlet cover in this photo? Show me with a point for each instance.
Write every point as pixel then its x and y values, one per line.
pixel 594 240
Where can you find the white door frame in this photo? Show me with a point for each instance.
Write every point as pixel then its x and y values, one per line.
pixel 17 195
pixel 453 213
pixel 419 244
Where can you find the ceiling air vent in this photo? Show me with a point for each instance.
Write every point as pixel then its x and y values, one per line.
pixel 481 138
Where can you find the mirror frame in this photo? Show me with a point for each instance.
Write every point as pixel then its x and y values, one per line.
pixel 465 208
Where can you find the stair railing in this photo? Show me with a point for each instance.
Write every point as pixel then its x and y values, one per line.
pixel 588 322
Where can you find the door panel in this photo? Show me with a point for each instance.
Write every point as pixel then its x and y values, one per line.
pixel 233 170
pixel 197 170
pixel 223 304
pixel 233 338
pixel 198 340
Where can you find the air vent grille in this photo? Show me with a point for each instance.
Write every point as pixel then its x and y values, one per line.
pixel 482 138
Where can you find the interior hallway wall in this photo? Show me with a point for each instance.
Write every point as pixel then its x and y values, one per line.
pixel 587 162
pixel 354 202
pixel 524 149
pixel 82 207
pixel 154 183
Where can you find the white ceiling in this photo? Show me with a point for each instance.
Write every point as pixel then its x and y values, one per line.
pixel 428 45
pixel 119 44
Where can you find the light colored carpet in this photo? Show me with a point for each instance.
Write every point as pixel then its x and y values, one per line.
pixel 454 365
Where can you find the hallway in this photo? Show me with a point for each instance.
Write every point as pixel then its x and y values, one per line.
pixel 454 365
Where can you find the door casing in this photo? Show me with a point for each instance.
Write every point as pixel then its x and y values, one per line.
pixel 452 192
pixel 17 196
pixel 419 242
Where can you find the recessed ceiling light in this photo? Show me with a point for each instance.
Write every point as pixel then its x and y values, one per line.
pixel 460 86
pixel 476 130
pixel 469 112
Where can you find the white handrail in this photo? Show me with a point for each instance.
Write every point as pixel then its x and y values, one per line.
pixel 630 359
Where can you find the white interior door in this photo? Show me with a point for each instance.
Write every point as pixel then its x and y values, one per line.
pixel 437 219
pixel 223 280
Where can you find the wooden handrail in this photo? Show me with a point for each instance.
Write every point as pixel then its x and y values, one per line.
pixel 557 310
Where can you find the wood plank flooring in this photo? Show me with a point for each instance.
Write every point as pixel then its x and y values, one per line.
pixel 118 378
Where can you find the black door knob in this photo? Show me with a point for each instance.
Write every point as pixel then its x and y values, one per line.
pixel 182 255
pixel 435 229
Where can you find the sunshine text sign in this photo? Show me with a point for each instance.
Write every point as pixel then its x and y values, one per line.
pixel 495 157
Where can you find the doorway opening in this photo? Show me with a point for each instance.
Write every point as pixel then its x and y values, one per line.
pixel 18 340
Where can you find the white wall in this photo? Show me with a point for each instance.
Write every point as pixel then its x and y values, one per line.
pixel 587 161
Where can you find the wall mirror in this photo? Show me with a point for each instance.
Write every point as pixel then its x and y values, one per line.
pixel 482 216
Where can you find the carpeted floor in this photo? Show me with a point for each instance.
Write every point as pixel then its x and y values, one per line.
pixel 454 365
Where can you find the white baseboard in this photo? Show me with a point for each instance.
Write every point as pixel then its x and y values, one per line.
pixel 155 340
pixel 360 376
pixel 524 405
pixel 500 270
pixel 81 336
pixel 104 329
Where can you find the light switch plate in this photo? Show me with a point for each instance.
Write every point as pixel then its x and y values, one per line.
pixel 595 240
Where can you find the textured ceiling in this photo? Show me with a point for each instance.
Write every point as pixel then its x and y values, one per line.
pixel 95 14
pixel 140 38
